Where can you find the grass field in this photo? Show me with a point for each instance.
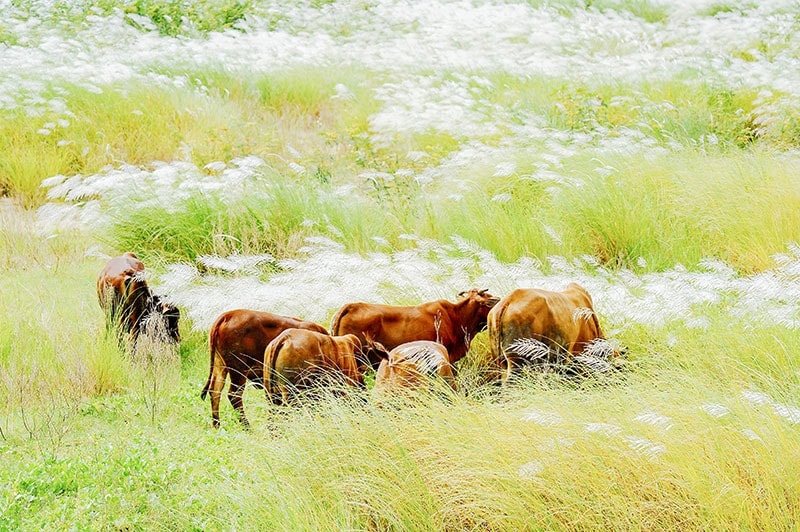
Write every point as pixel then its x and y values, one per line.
pixel 295 157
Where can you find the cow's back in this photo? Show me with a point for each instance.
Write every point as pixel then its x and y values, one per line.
pixel 531 313
pixel 412 365
pixel 241 336
pixel 388 324
pixel 297 358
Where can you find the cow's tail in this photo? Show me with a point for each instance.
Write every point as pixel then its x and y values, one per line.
pixel 336 322
pixel 597 325
pixel 500 359
pixel 270 356
pixel 213 346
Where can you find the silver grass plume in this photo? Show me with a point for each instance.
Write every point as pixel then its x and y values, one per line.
pixel 427 360
pixel 530 349
pixel 582 314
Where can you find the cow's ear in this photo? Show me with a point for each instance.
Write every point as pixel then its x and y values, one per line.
pixel 491 302
pixel 382 352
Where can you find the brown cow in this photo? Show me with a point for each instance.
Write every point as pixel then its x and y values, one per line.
pixel 451 324
pixel 128 303
pixel 532 325
pixel 414 365
pixel 236 343
pixel 298 359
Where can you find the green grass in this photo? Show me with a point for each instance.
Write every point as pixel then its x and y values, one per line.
pixel 135 124
pixel 676 110
pixel 219 118
pixel 168 17
pixel 675 209
pixel 729 198
pixel 92 439
pixel 683 208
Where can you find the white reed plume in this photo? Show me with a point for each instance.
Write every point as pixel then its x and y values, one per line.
pixel 646 447
pixel 530 348
pixel 427 360
pixel 657 420
pixel 582 314
pixel 597 365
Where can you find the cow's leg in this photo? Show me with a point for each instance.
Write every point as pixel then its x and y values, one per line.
pixel 218 374
pixel 284 394
pixel 275 397
pixel 238 383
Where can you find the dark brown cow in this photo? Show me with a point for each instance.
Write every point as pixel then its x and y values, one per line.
pixel 299 359
pixel 540 326
pixel 128 303
pixel 237 342
pixel 451 324
pixel 414 365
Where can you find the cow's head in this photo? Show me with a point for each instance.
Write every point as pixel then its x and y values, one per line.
pixel 480 302
pixel 169 315
pixel 482 297
pixel 370 354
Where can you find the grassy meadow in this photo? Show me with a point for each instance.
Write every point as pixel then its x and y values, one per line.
pixel 295 157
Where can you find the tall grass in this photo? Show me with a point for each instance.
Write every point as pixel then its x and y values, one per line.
pixel 134 124
pixel 699 432
pixel 219 118
pixel 643 455
pixel 646 214
pixel 679 110
pixel 679 209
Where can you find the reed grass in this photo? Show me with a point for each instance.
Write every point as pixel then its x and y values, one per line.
pixel 646 214
pixel 699 432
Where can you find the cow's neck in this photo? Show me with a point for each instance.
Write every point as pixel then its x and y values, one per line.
pixel 465 318
pixel 467 313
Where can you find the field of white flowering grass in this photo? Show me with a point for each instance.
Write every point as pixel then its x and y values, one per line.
pixel 293 157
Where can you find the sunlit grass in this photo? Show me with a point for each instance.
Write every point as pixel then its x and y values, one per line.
pixel 699 431
pixel 647 214
pixel 682 208
pixel 132 124
pixel 684 111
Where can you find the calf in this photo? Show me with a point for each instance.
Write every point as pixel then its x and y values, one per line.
pixel 414 365
pixel 300 359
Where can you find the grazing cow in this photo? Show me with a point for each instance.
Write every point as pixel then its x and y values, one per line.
pixel 414 365
pixel 451 324
pixel 128 303
pixel 169 314
pixel 299 359
pixel 237 342
pixel 531 325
